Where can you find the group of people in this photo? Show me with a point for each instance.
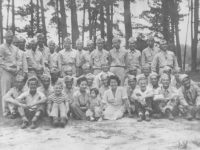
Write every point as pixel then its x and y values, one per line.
pixel 93 84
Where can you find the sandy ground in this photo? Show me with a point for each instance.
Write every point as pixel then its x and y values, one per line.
pixel 124 134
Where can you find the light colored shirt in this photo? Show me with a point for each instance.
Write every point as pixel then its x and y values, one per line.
pixel 8 56
pixel 13 93
pixel 163 59
pixel 86 57
pixel 46 92
pixel 46 55
pixel 134 58
pixel 102 91
pixel 118 57
pixel 80 99
pixel 70 92
pixel 97 58
pixel 54 57
pixel 79 57
pixel 143 94
pixel 148 55
pixel 21 60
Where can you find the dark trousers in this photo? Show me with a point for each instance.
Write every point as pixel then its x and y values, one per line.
pixel 140 108
pixel 77 112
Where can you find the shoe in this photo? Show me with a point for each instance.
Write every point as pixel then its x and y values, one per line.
pixel 55 122
pixel 140 118
pixel 197 116
pixel 188 116
pixel 157 116
pixel 100 119
pixel 13 116
pixel 24 125
pixel 33 125
pixel 147 118
pixel 63 122
pixel 92 119
pixel 169 114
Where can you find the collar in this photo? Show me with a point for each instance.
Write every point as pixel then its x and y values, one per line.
pixel 8 45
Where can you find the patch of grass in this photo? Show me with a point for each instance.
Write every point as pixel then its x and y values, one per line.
pixel 183 145
pixel 196 142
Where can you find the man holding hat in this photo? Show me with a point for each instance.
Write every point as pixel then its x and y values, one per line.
pixel 189 98
pixel 9 65
pixel 164 58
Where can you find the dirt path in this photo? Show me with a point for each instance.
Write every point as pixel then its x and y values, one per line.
pixel 124 134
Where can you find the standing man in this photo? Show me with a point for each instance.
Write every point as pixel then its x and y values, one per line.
pixel 54 54
pixel 8 63
pixel 134 55
pixel 149 52
pixel 118 59
pixel 34 58
pixel 164 58
pixel 98 57
pixel 22 43
pixel 86 56
pixel 45 52
pixel 79 57
pixel 67 57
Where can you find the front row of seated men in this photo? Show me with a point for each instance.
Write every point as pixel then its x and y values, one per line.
pixel 148 95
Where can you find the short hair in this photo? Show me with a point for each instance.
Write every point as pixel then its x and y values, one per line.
pixel 59 83
pixel 81 80
pixel 96 91
pixel 114 77
pixel 33 79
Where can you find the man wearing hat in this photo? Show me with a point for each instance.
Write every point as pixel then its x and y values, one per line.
pixel 164 58
pixel 79 57
pixel 12 94
pixel 55 76
pixel 9 65
pixel 67 57
pixel 134 55
pixel 54 54
pixel 189 98
pixel 34 58
pixel 118 59
pixel 166 97
pixel 22 43
pixel 45 52
pixel 149 52
pixel 98 57
pixel 90 47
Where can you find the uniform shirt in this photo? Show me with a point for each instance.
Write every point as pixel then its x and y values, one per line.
pixel 28 99
pixel 13 93
pixel 21 60
pixel 189 97
pixel 97 58
pixel 147 93
pixel 148 55
pixel 34 58
pixel 118 57
pixel 79 58
pixel 70 92
pixel 134 58
pixel 58 99
pixel 46 55
pixel 80 99
pixel 46 92
pixel 8 56
pixel 54 57
pixel 86 57
pixel 163 59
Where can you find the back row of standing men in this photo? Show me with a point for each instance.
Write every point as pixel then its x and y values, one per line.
pixel 16 60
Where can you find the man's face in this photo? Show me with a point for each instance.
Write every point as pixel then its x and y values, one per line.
pixel 9 39
pixel 132 45
pixel 90 46
pixel 69 84
pixel 133 72
pixel 151 43
pixel 22 45
pixel 90 81
pixel 132 83
pixel 86 70
pixel 100 45
pixel 39 73
pixel 33 46
pixel 186 82
pixel 52 47
pixel 19 84
pixel 168 72
pixel 58 89
pixel 67 45
pixel 54 76
pixel 16 43
pixel 40 40
pixel 177 74
pixel 143 84
pixel 83 85
pixel 154 80
pixel 33 86
pixel 104 81
pixel 46 82
pixel 79 45
pixel 164 47
pixel 146 72
pixel 166 82
pixel 105 68
pixel 69 72
pixel 116 44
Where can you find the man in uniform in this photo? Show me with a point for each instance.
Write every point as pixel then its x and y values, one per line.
pixel 149 52
pixel 164 58
pixel 22 43
pixel 118 59
pixel 8 63
pixel 86 56
pixel 54 54
pixel 98 57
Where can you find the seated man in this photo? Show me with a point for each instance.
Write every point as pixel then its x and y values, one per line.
pixel 130 88
pixel 189 98
pixel 105 70
pixel 132 71
pixel 69 72
pixel 12 94
pixel 167 70
pixel 166 97
pixel 146 70
pixel 39 72
pixel 55 76
pixel 105 86
pixel 31 104
pixel 154 79
pixel 143 97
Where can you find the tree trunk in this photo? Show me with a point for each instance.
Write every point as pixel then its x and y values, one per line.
pixel 8 12
pixel 192 29
pixel 32 11
pixel 165 23
pixel 38 17
pixel 172 24
pixel 1 24
pixel 109 32
pixel 58 22
pixel 102 18
pixel 74 23
pixel 13 17
pixel 84 3
pixel 90 23
pixel 43 22
pixel 63 20
pixel 112 14
pixel 127 20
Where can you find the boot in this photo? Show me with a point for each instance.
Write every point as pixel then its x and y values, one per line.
pixel 188 116
pixel 147 118
pixel 169 114
pixel 33 125
pixel 13 116
pixel 140 118
pixel 24 125
pixel 55 121
pixel 63 122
